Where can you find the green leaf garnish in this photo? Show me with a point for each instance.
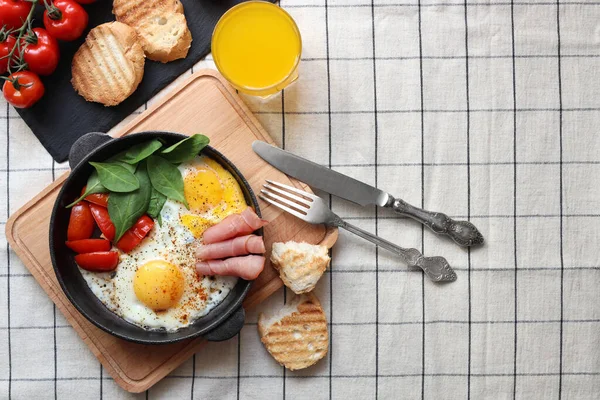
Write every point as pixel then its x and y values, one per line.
pixel 140 151
pixel 186 149
pixel 166 179
pixel 124 209
pixel 115 177
pixel 157 201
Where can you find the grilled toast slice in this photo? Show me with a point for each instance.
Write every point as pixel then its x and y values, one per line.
pixel 109 66
pixel 300 265
pixel 160 24
pixel 297 335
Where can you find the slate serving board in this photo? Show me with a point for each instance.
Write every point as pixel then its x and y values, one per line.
pixel 62 116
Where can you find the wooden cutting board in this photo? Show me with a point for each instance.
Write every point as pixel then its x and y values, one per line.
pixel 203 103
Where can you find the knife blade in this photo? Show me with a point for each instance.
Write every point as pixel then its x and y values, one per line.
pixel 463 233
pixel 321 177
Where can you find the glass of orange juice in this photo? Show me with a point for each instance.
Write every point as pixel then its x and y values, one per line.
pixel 256 46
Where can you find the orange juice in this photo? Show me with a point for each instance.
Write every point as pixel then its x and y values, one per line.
pixel 256 46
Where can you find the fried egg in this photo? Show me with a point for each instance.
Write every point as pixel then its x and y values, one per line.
pixel 155 286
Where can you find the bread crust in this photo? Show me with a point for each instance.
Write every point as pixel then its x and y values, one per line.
pixel 109 65
pixel 300 265
pixel 300 338
pixel 160 24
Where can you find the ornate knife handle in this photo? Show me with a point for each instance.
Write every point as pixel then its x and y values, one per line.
pixel 462 232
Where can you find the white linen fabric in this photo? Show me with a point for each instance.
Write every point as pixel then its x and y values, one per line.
pixel 486 110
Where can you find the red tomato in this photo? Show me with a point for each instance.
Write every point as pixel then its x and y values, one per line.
pixel 103 221
pixel 88 245
pixel 40 51
pixel 23 89
pixel 99 261
pixel 13 13
pixel 65 19
pixel 97 198
pixel 81 222
pixel 7 43
pixel 134 235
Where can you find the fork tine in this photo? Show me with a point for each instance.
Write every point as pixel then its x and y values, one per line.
pixel 273 196
pixel 298 199
pixel 284 208
pixel 292 189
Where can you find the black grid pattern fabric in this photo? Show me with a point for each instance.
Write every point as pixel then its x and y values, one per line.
pixel 486 110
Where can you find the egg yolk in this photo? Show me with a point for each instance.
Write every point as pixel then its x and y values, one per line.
pixel 158 284
pixel 197 225
pixel 203 190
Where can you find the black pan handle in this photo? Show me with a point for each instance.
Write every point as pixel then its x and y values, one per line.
pixel 85 145
pixel 229 328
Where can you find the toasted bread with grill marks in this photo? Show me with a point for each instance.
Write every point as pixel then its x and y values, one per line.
pixel 300 265
pixel 160 24
pixel 109 66
pixel 297 335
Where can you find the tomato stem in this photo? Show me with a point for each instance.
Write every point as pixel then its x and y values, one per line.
pixel 17 46
pixel 16 84
pixel 53 12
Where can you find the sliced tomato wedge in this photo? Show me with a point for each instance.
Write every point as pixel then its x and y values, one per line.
pixel 100 199
pixel 99 261
pixel 103 221
pixel 88 245
pixel 134 235
pixel 81 222
pixel 97 198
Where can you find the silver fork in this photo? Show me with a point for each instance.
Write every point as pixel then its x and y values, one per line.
pixel 313 209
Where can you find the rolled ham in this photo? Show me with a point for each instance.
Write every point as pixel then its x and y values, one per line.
pixel 248 267
pixel 234 225
pixel 239 246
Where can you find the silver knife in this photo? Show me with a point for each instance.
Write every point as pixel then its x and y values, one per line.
pixel 462 232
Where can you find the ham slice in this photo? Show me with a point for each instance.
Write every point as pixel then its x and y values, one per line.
pixel 248 267
pixel 239 246
pixel 234 225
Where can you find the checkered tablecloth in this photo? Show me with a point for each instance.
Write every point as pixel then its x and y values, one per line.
pixel 486 110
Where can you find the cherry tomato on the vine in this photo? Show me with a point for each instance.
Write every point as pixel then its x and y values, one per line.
pixel 65 19
pixel 40 51
pixel 23 89
pixel 7 42
pixel 13 13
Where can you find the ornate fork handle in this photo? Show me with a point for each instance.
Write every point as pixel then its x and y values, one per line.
pixel 462 232
pixel 436 268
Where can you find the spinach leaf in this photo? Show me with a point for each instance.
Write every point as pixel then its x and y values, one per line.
pixel 118 159
pixel 115 177
pixel 140 151
pixel 124 209
pixel 186 149
pixel 166 179
pixel 157 201
pixel 93 186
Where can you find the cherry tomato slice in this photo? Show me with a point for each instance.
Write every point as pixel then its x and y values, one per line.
pixel 65 19
pixel 88 245
pixel 99 261
pixel 100 199
pixel 97 198
pixel 103 221
pixel 81 222
pixel 23 89
pixel 40 51
pixel 134 235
